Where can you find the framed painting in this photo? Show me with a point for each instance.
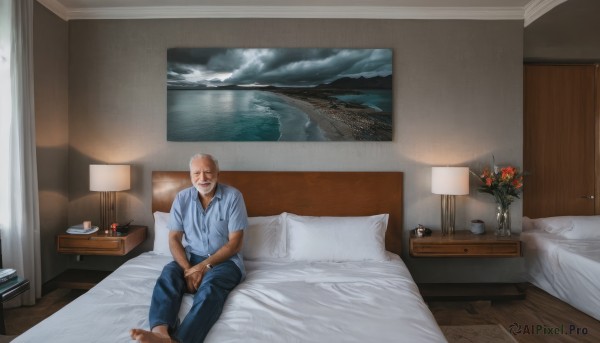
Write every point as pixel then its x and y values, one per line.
pixel 279 94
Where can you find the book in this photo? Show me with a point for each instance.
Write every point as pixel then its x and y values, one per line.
pixel 79 230
pixel 7 275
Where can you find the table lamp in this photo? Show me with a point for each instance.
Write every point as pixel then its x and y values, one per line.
pixel 449 182
pixel 108 179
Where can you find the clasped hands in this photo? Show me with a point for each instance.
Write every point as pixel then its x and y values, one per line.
pixel 193 277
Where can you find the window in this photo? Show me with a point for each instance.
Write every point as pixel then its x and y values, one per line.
pixel 5 107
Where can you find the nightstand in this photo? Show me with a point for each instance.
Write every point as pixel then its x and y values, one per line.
pixel 467 245
pixel 8 291
pixel 99 243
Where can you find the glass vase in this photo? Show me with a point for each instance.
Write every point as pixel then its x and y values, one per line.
pixel 503 218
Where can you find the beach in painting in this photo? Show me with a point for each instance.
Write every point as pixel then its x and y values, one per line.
pixel 279 115
pixel 359 115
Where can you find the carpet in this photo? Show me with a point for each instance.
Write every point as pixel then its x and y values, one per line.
pixel 477 334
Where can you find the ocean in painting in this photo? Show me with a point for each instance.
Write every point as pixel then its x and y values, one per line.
pixel 236 115
pixel 249 115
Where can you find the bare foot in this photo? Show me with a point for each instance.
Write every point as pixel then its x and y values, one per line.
pixel 144 336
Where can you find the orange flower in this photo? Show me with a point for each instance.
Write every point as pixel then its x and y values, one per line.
pixel 517 183
pixel 508 173
pixel 488 181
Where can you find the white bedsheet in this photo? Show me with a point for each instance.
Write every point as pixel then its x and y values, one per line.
pixel 567 269
pixel 278 302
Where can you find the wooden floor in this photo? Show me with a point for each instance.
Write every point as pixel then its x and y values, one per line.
pixel 538 311
pixel 540 317
pixel 20 319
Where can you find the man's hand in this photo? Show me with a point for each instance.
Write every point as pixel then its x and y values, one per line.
pixel 200 267
pixel 193 278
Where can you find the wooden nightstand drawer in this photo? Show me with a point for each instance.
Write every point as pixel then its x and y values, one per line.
pixel 69 245
pixel 101 243
pixel 466 250
pixel 465 244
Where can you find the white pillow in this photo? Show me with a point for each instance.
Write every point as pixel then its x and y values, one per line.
pixel 161 233
pixel 265 237
pixel 556 225
pixel 528 224
pixel 584 227
pixel 337 238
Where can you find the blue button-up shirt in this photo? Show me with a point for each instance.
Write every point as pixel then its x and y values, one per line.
pixel 206 231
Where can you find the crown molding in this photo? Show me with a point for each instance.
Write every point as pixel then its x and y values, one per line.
pixel 537 8
pixel 56 7
pixel 330 12
pixel 532 11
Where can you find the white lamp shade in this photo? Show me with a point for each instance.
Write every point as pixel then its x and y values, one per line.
pixel 109 177
pixel 450 180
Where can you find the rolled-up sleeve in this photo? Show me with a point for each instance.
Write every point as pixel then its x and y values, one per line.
pixel 176 217
pixel 238 218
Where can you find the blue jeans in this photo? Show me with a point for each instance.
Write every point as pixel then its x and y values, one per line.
pixel 208 300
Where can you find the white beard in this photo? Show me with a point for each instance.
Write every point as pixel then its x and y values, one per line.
pixel 205 190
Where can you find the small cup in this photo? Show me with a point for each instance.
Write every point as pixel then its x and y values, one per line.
pixel 87 224
pixel 477 227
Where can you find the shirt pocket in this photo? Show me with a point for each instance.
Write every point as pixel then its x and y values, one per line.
pixel 221 230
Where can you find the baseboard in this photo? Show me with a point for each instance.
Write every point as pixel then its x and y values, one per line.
pixel 472 291
pixel 75 279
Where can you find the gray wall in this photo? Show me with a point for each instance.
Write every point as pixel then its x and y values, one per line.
pixel 457 101
pixel 52 123
pixel 568 33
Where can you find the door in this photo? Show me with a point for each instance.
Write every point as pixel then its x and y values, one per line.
pixel 559 125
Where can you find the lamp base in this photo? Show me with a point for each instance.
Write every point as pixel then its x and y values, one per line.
pixel 448 214
pixel 108 209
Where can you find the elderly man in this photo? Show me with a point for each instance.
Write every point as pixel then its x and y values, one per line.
pixel 212 216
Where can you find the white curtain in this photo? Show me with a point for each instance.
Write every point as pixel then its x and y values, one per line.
pixel 19 216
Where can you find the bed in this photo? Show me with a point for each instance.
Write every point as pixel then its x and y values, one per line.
pixel 355 288
pixel 562 257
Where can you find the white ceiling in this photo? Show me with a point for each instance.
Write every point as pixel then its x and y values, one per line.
pixel 527 10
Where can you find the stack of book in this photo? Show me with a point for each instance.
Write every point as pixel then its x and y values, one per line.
pixel 7 275
pixel 79 230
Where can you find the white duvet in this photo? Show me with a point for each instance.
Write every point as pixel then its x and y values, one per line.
pixel 569 269
pixel 280 301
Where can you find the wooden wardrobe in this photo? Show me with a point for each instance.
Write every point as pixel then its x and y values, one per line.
pixel 561 140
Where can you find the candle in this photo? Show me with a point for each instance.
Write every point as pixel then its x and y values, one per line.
pixel 87 224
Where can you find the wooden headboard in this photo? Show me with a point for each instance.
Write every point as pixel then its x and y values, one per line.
pixel 303 193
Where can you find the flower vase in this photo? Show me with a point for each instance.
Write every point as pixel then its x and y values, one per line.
pixel 503 218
